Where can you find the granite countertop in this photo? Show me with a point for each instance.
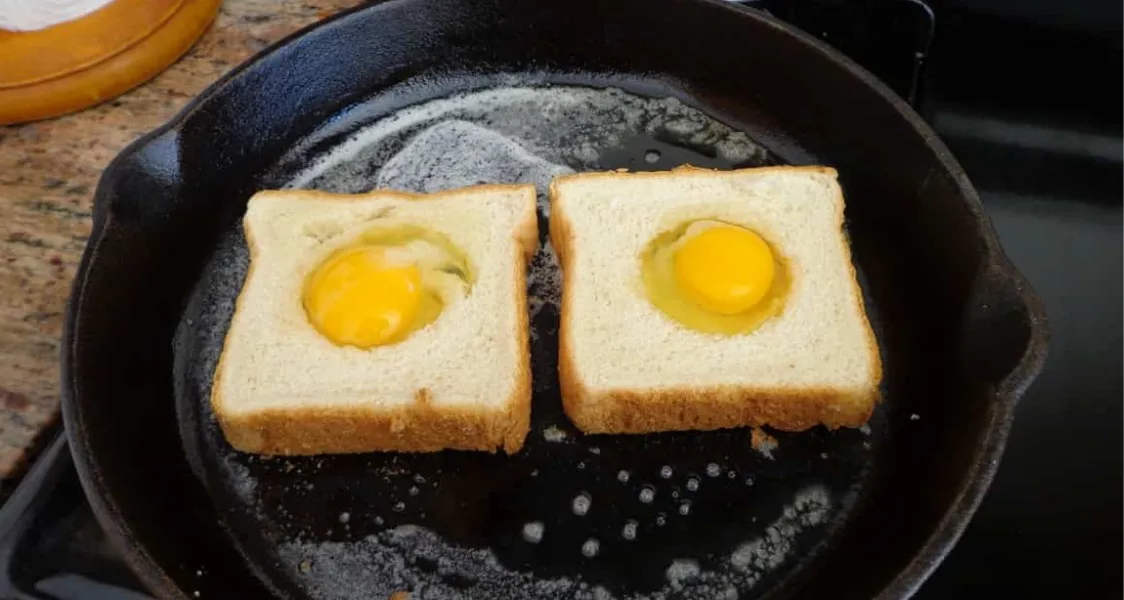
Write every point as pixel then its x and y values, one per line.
pixel 48 172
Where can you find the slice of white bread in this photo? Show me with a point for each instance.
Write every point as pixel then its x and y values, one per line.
pixel 625 367
pixel 462 382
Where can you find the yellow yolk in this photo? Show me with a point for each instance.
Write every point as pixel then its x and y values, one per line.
pixel 715 277
pixel 725 269
pixel 357 299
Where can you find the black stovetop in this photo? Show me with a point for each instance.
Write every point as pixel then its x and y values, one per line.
pixel 1028 96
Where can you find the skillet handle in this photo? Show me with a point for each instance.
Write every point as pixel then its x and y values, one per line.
pixel 23 506
pixel 143 183
pixel 1005 330
pixel 21 521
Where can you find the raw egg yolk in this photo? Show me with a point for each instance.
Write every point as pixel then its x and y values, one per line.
pixel 725 269
pixel 715 277
pixel 356 298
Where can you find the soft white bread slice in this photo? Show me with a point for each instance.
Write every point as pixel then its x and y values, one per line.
pixel 461 382
pixel 625 367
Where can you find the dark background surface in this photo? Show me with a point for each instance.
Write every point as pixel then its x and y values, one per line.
pixel 1028 94
pixel 1032 108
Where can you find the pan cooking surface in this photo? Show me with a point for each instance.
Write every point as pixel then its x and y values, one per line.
pixel 675 515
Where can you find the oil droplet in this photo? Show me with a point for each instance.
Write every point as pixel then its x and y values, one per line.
pixel 647 494
pixel 532 532
pixel 591 547
pixel 732 474
pixel 581 504
pixel 713 470
pixel 661 519
pixel 666 472
pixel 693 484
pixel 622 476
pixel 629 531
pixel 685 508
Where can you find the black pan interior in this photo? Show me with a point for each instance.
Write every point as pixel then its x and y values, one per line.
pixel 677 515
pixel 954 322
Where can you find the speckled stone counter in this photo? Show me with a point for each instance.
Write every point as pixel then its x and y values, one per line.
pixel 48 171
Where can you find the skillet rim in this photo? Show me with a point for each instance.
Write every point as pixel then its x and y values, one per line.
pixel 1004 397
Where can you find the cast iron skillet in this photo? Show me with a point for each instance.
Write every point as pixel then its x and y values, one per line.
pixel 962 335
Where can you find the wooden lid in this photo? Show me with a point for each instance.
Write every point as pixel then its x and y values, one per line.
pixel 80 63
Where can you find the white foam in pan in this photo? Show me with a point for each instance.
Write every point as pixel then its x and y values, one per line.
pixel 352 570
pixel 566 126
pixel 453 154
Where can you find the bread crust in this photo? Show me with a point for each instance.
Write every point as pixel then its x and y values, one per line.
pixel 706 409
pixel 701 408
pixel 419 427
pixel 518 416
